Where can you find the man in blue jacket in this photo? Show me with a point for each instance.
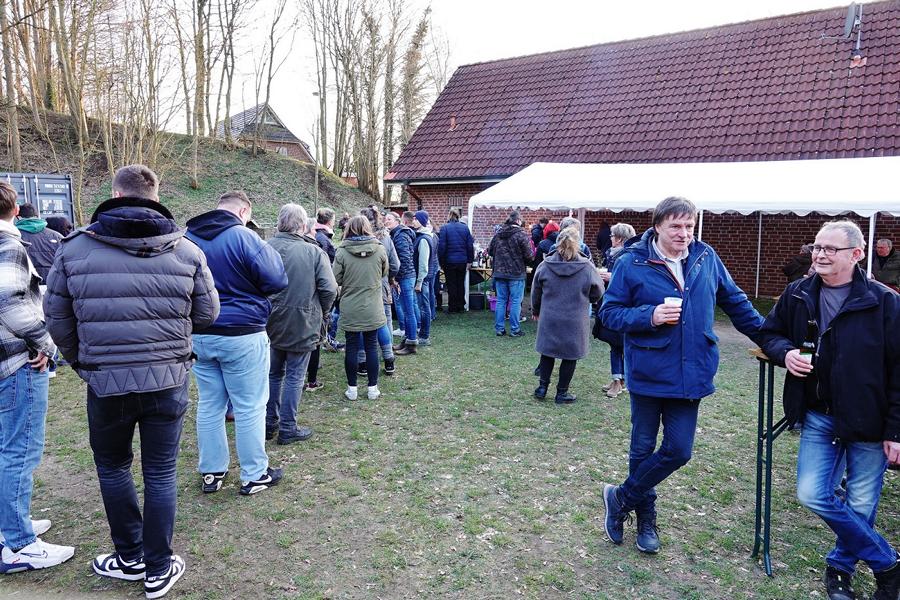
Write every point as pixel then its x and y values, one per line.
pixel 661 296
pixel 404 240
pixel 847 394
pixel 456 249
pixel 233 353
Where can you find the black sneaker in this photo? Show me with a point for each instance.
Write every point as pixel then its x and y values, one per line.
pixel 270 433
pixel 271 478
pixel 614 521
pixel 212 482
pixel 389 367
pixel 647 534
pixel 565 398
pixel 501 333
pixel 540 392
pixel 888 587
pixel 838 584
pixel 157 586
pixel 112 565
pixel 302 433
pixel 518 333
pixel 361 369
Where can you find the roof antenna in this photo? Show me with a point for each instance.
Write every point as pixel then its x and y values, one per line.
pixel 852 22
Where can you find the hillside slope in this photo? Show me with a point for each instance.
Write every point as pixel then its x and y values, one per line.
pixel 269 179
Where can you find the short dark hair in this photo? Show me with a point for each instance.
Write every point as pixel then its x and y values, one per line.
pixel 136 181
pixel 324 216
pixel 235 198
pixel 27 210
pixel 513 218
pixel 372 214
pixel 544 220
pixel 59 224
pixel 673 206
pixel 8 197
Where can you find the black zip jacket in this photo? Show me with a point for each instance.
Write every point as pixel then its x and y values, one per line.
pixel 857 363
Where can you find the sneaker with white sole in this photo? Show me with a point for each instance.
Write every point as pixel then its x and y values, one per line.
pixel 113 565
pixel 36 555
pixel 351 393
pixel 212 482
pixel 397 333
pixel 270 478
pixel 39 526
pixel 157 586
pixel 374 392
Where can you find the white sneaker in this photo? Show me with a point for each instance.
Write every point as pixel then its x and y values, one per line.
pixel 40 527
pixel 397 333
pixel 374 392
pixel 36 555
pixel 157 586
pixel 112 565
pixel 351 392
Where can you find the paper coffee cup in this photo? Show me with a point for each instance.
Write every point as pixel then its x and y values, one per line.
pixel 604 270
pixel 672 301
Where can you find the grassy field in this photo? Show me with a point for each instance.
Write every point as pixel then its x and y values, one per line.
pixel 456 483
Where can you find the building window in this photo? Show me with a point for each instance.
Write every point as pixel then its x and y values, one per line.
pixel 282 151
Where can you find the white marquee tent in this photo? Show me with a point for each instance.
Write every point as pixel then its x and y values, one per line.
pixel 864 186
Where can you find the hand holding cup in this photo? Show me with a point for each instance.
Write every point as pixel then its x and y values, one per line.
pixel 669 312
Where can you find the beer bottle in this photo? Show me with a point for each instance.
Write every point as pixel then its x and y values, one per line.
pixel 808 348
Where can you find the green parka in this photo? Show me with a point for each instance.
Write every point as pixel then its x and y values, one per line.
pixel 359 265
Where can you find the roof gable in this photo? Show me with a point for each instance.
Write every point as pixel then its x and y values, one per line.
pixel 762 90
pixel 246 122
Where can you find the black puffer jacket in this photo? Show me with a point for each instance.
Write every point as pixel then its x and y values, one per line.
pixel 511 251
pixel 124 295
pixel 44 243
pixel 857 365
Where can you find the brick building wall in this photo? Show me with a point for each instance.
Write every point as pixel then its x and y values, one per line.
pixel 293 150
pixel 733 236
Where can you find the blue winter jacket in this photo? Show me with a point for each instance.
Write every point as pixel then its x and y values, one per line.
pixel 455 244
pixel 404 239
pixel 245 268
pixel 673 361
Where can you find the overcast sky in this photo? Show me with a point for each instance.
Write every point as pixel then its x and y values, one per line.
pixel 482 30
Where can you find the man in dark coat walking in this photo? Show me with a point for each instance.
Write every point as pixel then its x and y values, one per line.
pixel 44 241
pixel 456 249
pixel 511 251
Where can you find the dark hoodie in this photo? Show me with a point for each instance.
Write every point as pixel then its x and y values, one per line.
pixel 511 251
pixel 43 242
pixel 245 268
pixel 561 295
pixel 123 296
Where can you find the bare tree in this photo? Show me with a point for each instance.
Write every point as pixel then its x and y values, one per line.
pixel 267 67
pixel 412 101
pixel 12 117
pixel 437 60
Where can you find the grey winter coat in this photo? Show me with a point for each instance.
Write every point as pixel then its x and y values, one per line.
pixel 124 295
pixel 296 322
pixel 561 295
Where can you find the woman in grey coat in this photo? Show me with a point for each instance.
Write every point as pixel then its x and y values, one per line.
pixel 565 285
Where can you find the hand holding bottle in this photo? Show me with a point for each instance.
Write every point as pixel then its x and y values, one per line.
pixel 797 364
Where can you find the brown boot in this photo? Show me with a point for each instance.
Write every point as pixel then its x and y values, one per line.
pixel 406 349
pixel 615 388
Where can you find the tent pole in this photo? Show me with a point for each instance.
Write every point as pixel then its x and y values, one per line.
pixel 871 244
pixel 581 220
pixel 700 227
pixel 758 254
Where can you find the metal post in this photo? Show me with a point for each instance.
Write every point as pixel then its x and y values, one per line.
pixel 758 254
pixel 759 458
pixel 770 437
pixel 871 248
pixel 700 227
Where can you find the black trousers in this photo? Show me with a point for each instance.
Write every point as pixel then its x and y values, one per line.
pixel 312 371
pixel 566 371
pixel 456 287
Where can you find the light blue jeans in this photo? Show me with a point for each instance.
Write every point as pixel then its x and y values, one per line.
pixel 232 368
pixel 819 470
pixel 511 291
pixel 23 409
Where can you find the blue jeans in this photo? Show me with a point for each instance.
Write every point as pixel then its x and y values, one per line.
pixel 232 368
pixel 385 339
pixel 423 309
pixel 369 340
pixel 111 423
pixel 398 308
pixel 617 362
pixel 647 468
pixel 432 285
pixel 819 469
pixel 509 291
pixel 408 308
pixel 23 409
pixel 289 369
pixel 333 319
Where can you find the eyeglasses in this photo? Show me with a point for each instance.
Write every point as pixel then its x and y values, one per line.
pixel 828 250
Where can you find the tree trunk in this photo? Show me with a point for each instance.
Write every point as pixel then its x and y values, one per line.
pixel 12 116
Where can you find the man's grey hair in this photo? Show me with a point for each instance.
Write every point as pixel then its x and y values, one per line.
pixel 292 218
pixel 623 231
pixel 310 225
pixel 855 238
pixel 136 181
pixel 570 222
pixel 673 206
pixel 885 242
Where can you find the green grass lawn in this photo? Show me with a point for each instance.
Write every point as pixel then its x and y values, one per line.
pixel 456 483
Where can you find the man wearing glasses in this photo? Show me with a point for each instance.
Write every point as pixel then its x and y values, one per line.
pixel 847 395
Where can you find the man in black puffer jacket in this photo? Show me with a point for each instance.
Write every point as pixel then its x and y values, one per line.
pixel 511 251
pixel 44 241
pixel 123 296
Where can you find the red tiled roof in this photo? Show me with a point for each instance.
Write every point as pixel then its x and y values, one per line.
pixel 762 90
